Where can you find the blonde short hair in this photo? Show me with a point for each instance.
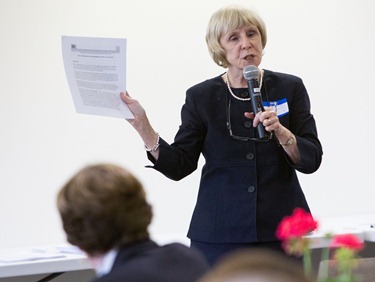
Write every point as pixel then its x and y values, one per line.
pixel 225 20
pixel 256 265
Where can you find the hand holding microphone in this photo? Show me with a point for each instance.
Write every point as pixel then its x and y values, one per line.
pixel 251 74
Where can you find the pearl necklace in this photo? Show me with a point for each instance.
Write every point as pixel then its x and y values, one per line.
pixel 238 98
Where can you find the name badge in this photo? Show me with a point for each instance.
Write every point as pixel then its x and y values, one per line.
pixel 279 106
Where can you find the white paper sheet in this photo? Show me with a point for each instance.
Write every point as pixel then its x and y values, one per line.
pixel 96 72
pixel 30 255
pixel 38 253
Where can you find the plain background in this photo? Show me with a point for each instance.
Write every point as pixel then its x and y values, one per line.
pixel 330 44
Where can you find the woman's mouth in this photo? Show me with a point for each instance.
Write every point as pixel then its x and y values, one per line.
pixel 248 57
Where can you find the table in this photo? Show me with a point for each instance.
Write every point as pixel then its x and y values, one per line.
pixel 44 263
pixel 361 225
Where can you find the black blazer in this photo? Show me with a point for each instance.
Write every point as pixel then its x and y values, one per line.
pixel 148 262
pixel 246 187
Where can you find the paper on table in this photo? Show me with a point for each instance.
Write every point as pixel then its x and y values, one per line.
pixel 68 249
pixel 28 256
pixel 96 72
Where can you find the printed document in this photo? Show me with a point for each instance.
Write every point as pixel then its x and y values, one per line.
pixel 96 72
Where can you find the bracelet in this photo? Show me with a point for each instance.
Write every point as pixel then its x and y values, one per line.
pixel 155 147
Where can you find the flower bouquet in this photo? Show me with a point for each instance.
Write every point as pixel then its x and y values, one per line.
pixel 292 231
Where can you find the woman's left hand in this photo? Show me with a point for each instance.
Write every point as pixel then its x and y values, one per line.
pixel 272 123
pixel 268 118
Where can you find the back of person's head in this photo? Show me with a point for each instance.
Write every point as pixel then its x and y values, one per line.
pixel 226 20
pixel 103 206
pixel 256 266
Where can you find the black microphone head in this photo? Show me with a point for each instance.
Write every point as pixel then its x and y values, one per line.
pixel 250 72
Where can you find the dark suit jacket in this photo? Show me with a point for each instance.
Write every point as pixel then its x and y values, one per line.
pixel 246 187
pixel 148 262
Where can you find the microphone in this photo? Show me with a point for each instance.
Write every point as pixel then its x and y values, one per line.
pixel 251 73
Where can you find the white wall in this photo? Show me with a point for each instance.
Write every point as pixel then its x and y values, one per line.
pixel 330 44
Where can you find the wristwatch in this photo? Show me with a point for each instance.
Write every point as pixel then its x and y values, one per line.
pixel 289 142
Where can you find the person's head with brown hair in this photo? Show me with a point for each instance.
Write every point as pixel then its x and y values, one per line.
pixel 256 265
pixel 103 206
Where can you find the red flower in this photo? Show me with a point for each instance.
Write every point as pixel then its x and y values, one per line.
pixel 299 224
pixel 348 241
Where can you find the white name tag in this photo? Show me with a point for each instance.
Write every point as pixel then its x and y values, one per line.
pixel 279 106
